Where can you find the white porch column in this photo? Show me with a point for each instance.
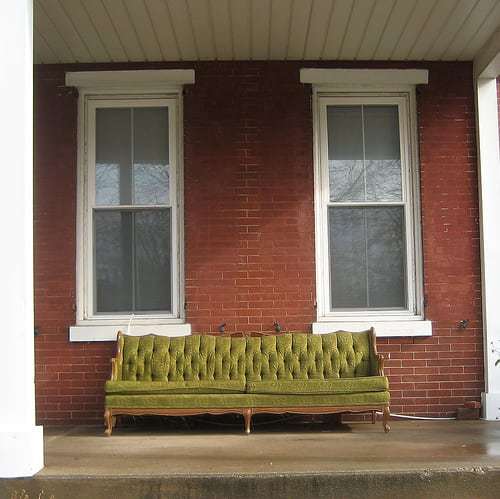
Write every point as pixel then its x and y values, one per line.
pixel 489 191
pixel 486 70
pixel 21 442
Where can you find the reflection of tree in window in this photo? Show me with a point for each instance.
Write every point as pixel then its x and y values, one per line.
pixel 367 257
pixel 133 261
pixel 367 243
pixel 132 248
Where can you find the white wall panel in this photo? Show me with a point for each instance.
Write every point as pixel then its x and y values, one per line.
pixel 299 26
pixel 160 17
pixel 432 28
pixel 241 22
pixel 451 28
pixel 480 11
pixel 58 14
pixel 106 29
pixel 144 29
pixel 337 29
pixel 202 28
pixel 358 23
pixel 281 11
pixel 375 28
pixel 172 30
pixel 121 19
pixel 219 13
pixel 396 23
pixel 42 52
pixel 321 14
pixel 51 34
pixel 260 15
pixel 83 24
pixel 490 24
pixel 182 24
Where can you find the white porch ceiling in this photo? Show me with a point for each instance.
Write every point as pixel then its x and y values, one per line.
pixel 68 31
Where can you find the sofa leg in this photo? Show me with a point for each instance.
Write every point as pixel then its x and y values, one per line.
pixel 385 419
pixel 108 422
pixel 247 414
pixel 374 417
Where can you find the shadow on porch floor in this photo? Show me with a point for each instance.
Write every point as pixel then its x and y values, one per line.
pixel 416 459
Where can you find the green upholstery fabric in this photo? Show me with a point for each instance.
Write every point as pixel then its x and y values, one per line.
pixel 170 387
pixel 186 358
pixel 230 400
pixel 289 370
pixel 308 356
pixel 333 386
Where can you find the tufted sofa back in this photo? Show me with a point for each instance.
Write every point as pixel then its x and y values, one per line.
pixel 186 358
pixel 282 357
pixel 310 356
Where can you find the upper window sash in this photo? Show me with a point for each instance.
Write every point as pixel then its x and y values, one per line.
pixel 92 103
pixel 409 181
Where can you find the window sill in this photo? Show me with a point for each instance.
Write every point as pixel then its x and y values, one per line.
pixel 383 329
pixel 94 332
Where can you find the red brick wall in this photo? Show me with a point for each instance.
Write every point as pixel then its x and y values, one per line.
pixel 249 225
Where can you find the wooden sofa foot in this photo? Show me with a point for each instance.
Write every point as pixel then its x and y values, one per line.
pixel 385 419
pixel 108 422
pixel 247 414
pixel 374 417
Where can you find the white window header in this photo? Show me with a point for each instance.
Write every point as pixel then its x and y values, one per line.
pixel 154 78
pixel 364 77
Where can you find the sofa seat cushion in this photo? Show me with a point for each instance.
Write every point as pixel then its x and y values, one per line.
pixel 320 386
pixel 242 400
pixel 174 387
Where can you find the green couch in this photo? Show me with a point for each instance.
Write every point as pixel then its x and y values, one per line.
pixel 286 373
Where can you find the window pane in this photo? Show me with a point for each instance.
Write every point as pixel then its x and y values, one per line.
pixel 113 157
pixel 151 156
pixel 345 153
pixel 364 158
pixel 367 257
pixel 132 260
pixel 153 260
pixel 382 153
pixel 347 239
pixel 113 261
pixel 386 257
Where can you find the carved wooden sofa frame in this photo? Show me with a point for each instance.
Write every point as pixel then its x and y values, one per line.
pixel 111 413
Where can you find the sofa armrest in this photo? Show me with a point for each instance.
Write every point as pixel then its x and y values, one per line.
pixel 116 362
pixel 114 369
pixel 380 364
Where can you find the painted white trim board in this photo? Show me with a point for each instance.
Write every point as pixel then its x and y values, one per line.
pixel 383 329
pixel 142 78
pixel 317 76
pixel 109 332
pixel 489 204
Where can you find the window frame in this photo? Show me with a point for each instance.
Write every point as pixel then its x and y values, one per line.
pixel 89 101
pixel 406 102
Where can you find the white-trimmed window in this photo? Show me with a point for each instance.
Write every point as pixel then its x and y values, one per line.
pixel 130 237
pixel 132 261
pixel 368 244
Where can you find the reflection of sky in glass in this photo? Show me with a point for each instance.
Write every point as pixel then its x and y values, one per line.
pixel 132 156
pixel 364 159
pixel 366 244
pixel 132 248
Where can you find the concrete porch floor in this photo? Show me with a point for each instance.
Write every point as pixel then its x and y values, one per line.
pixel 286 460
